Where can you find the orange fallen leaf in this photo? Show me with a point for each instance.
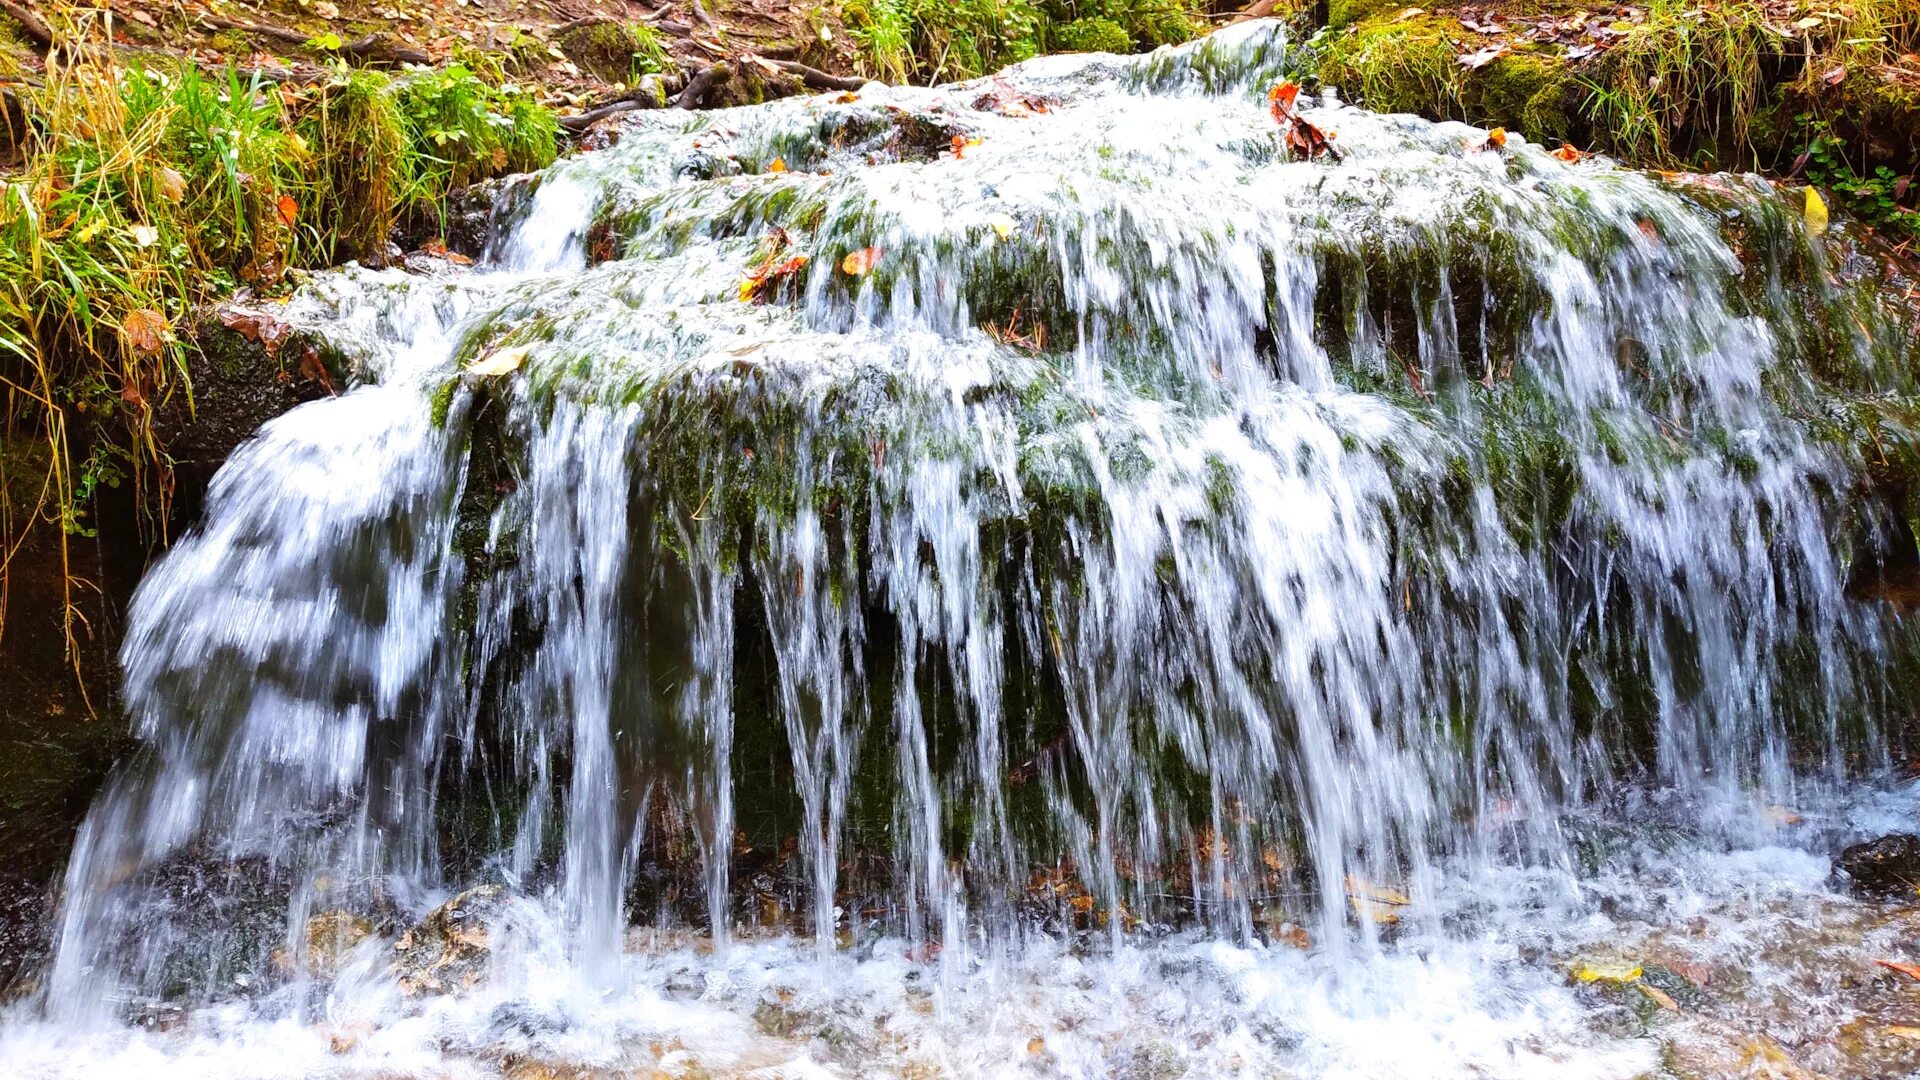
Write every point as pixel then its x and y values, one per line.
pixel 1301 135
pixel 146 330
pixel 1036 1045
pixel 288 209
pixel 1911 971
pixel 1570 153
pixel 1497 138
pixel 778 165
pixel 859 262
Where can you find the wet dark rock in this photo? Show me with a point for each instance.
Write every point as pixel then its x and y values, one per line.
pixel 1888 866
pixel 245 369
pixel 448 951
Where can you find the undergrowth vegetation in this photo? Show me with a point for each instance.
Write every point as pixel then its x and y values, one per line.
pixel 1829 90
pixel 143 191
pixel 935 41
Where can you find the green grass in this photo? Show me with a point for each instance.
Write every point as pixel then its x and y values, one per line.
pixel 933 41
pixel 146 191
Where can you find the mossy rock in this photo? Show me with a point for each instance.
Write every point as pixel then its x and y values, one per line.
pixel 1525 91
pixel 1345 13
pixel 616 51
pixel 1391 64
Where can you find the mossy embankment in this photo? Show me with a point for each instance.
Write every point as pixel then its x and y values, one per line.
pixel 1828 93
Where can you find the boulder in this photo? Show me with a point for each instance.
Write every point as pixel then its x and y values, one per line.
pixel 331 936
pixel 1889 866
pixel 447 951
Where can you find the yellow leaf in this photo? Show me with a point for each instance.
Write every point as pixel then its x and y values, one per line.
pixel 1373 903
pixel 1036 1045
pixel 859 262
pixel 777 165
pixel 502 362
pixel 1497 138
pixel 1001 224
pixel 1816 213
pixel 1611 972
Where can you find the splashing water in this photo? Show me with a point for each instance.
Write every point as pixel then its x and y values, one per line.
pixel 1182 611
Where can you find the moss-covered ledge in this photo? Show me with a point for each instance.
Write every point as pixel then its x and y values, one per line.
pixel 1827 93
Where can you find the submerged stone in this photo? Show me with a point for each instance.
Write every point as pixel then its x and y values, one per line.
pixel 1885 867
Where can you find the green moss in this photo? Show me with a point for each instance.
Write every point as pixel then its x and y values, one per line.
pixel 1528 92
pixel 1345 13
pixel 616 51
pixel 1397 65
pixel 1096 34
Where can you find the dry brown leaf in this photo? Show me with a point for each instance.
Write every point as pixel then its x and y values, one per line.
pixel 1658 996
pixel 146 330
pixel 171 185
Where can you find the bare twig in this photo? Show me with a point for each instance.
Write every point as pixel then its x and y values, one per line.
pixel 643 96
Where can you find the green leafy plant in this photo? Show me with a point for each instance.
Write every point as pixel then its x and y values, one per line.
pixel 1880 197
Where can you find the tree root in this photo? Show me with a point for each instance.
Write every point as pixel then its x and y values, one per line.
pixel 370 47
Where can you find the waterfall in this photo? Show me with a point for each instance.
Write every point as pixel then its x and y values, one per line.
pixel 1163 537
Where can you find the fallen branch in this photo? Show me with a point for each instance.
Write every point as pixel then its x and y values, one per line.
pixel 814 77
pixel 1259 9
pixel 581 23
pixel 701 85
pixel 643 96
pixel 30 23
pixel 582 121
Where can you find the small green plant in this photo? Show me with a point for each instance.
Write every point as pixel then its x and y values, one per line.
pixel 461 130
pixel 1880 198
pixel 147 189
pixel 936 40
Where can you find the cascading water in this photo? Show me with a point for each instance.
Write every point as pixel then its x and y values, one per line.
pixel 1085 623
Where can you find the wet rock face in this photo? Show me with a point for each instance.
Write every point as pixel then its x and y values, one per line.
pixel 447 951
pixel 1889 866
pixel 330 937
